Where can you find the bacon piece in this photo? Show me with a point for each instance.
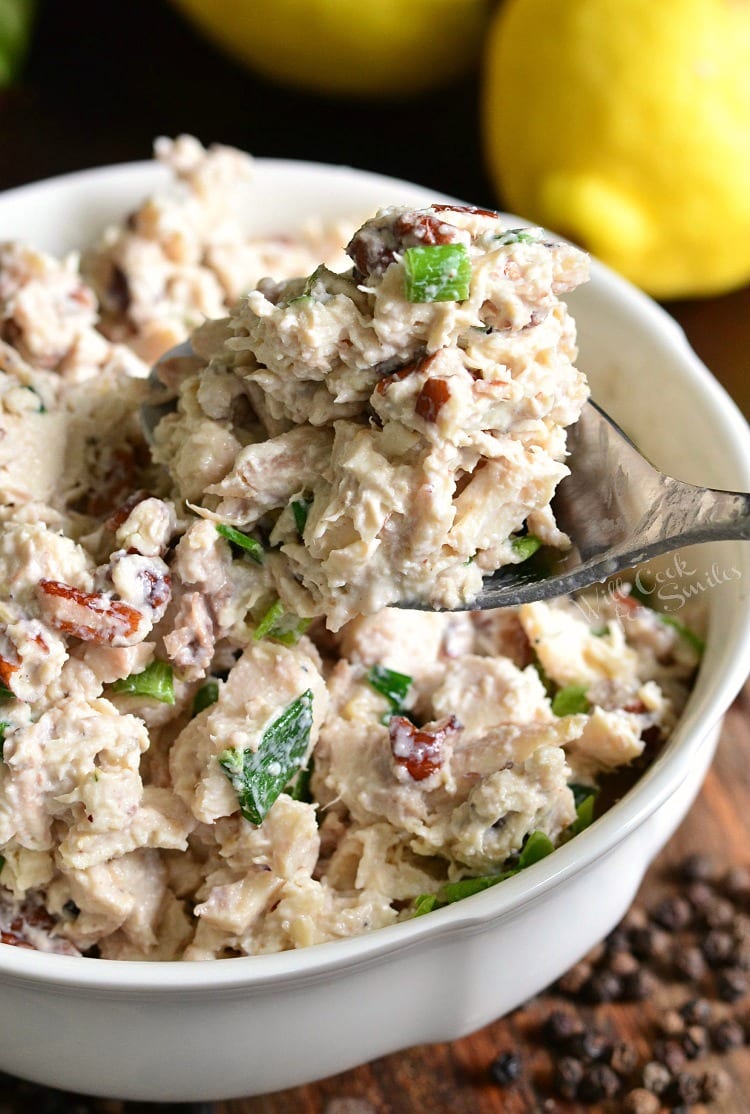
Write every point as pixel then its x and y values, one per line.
pixel 432 398
pixel 90 616
pixel 419 749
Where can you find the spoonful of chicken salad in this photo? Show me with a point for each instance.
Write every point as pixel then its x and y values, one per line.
pixel 414 431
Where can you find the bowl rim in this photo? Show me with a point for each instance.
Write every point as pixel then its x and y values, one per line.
pixel 481 911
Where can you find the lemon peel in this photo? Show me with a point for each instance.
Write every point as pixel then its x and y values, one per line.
pixel 362 47
pixel 625 125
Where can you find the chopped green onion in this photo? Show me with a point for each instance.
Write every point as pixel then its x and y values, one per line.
pixel 300 510
pixel 206 695
pixel 585 799
pixel 5 693
pixel 570 700
pixel 517 236
pixel 156 681
pixel 299 788
pixel 4 725
pixel 536 847
pixel 41 409
pixel 600 632
pixel 581 792
pixel 467 887
pixel 525 546
pixel 281 625
pixel 642 593
pixel 392 685
pixel 315 287
pixel 425 903
pixel 547 683
pixel 2 863
pixel 437 273
pixel 308 290
pixel 243 541
pixel 259 776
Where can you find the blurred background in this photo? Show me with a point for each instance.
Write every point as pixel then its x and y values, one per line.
pixel 445 93
pixel 102 80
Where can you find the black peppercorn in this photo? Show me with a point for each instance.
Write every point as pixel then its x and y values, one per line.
pixel 701 897
pixel 560 1026
pixel 696 1011
pixel 731 984
pixel 623 1058
pixel 720 913
pixel 568 1075
pixel 573 981
pixel 603 986
pixel 671 1053
pixel 715 1084
pixel 697 868
pixel 689 963
pixel 599 1082
pixel 656 1077
pixel 638 986
pixel 634 918
pixel 617 941
pixel 649 943
pixel 623 964
pixel 741 928
pixel 641 1101
pixel 684 1088
pixel 590 1044
pixel 672 1023
pixel 741 955
pixel 506 1068
pixel 727 1034
pixel 717 947
pixel 694 1041
pixel 736 884
pixel 673 913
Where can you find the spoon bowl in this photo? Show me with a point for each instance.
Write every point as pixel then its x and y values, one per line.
pixel 618 511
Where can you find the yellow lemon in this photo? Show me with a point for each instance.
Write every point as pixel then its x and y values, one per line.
pixel 361 47
pixel 625 125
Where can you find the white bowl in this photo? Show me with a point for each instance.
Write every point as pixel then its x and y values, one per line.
pixel 200 1031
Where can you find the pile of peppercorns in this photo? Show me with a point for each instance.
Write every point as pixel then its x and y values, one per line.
pixel 694 948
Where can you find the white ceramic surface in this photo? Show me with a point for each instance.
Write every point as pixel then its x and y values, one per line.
pixel 189 1032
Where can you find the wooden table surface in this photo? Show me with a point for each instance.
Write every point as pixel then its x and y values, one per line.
pixel 82 102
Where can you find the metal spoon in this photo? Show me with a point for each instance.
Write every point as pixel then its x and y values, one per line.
pixel 617 509
pixel 162 398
